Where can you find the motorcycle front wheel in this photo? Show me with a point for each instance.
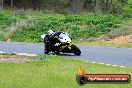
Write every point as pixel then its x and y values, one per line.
pixel 75 50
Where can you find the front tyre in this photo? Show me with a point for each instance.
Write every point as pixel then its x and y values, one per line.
pixel 75 50
pixel 46 48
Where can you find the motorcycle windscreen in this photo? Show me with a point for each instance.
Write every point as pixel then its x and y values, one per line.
pixel 64 38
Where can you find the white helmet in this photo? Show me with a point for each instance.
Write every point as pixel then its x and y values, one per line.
pixel 50 32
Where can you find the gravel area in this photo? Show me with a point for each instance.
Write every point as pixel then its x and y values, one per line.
pixel 14 58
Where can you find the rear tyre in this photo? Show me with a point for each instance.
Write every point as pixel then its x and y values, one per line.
pixel 76 50
pixel 57 52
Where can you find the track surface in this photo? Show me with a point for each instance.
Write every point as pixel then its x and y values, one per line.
pixel 113 56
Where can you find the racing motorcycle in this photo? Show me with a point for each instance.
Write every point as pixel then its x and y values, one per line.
pixel 66 45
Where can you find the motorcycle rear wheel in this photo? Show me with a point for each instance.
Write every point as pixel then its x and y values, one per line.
pixel 57 52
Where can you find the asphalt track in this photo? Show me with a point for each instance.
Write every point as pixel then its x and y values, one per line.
pixel 113 56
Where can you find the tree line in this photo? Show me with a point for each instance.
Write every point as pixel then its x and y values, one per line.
pixel 74 6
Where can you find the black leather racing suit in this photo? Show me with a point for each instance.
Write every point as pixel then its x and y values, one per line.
pixel 51 40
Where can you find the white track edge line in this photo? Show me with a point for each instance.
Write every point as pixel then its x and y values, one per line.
pixel 25 54
pixel 106 64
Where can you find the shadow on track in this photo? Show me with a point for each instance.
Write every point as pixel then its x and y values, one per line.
pixel 64 54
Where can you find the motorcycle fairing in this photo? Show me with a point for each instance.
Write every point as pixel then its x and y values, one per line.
pixel 64 46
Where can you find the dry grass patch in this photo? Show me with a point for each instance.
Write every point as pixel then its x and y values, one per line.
pixel 122 39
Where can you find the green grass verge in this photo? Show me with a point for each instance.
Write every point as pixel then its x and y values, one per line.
pixel 79 26
pixel 105 44
pixel 54 72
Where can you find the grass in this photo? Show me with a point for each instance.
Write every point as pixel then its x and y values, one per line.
pixel 79 26
pixel 29 26
pixel 129 1
pixel 128 7
pixel 105 44
pixel 7 53
pixel 54 72
pixel 5 20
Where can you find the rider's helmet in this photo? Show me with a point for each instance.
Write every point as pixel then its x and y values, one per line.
pixel 50 33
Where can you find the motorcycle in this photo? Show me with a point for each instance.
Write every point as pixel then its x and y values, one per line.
pixel 66 45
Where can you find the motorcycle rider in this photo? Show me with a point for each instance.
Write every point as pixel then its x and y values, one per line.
pixel 51 38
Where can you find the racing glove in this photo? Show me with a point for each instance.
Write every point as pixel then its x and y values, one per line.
pixel 57 44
